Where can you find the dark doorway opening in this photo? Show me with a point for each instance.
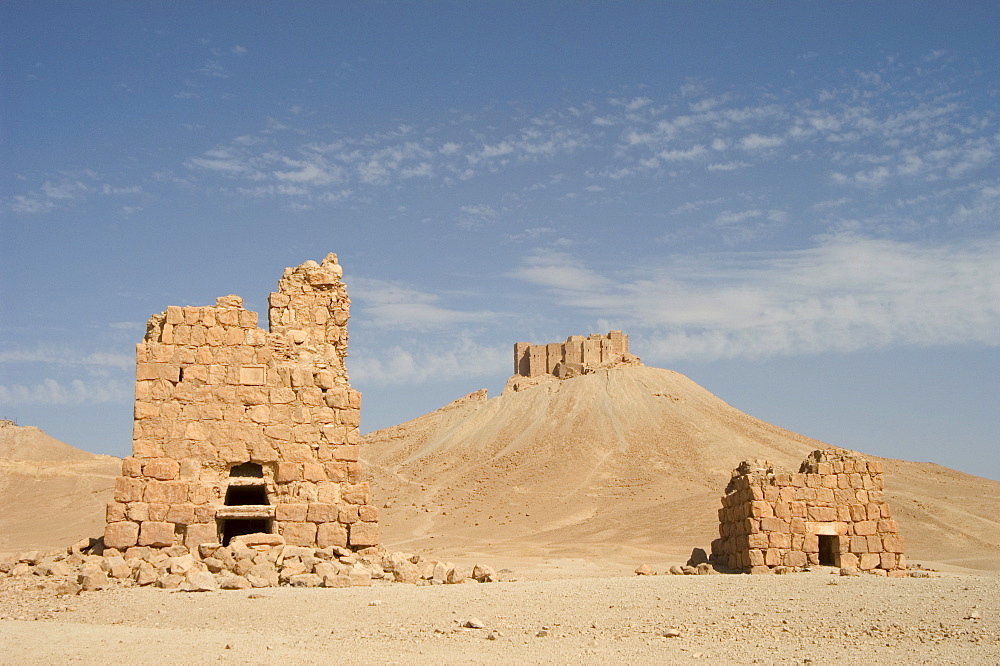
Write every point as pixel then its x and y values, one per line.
pixel 829 550
pixel 232 527
pixel 243 495
pixel 248 469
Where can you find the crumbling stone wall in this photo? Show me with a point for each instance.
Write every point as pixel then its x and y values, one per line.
pixel 240 430
pixel 574 356
pixel 833 511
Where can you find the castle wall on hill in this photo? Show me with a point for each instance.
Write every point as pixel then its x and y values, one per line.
pixel 832 512
pixel 576 354
pixel 240 430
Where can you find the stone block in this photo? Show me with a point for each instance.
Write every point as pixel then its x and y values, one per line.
pixel 874 543
pixel 128 489
pixel 288 471
pixel 137 511
pixel 298 534
pixel 156 534
pixel 859 544
pixel 821 513
pixel 182 514
pixel 368 513
pixel 114 512
pixel 774 525
pixel 313 472
pixel 331 534
pixel 356 494
pixel 322 513
pixel 200 533
pixel 773 557
pixel 869 561
pixel 865 527
pixel 346 453
pixel 336 472
pixel 262 574
pixel 348 515
pixel 782 510
pixel 287 512
pixel 363 534
pixel 121 534
pixel 165 492
pixel 795 558
pixel 779 540
pixel 825 496
pixel 848 561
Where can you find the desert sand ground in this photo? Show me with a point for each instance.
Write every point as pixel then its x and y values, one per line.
pixel 565 488
pixel 810 617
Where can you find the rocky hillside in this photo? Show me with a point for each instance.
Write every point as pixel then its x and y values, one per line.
pixel 627 460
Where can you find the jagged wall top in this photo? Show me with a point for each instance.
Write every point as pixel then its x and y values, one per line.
pixel 578 355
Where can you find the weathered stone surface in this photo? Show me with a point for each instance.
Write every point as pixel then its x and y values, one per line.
pixel 306 580
pixel 262 575
pixel 236 423
pixel 92 580
pixel 235 583
pixel 158 534
pixel 258 539
pixel 828 513
pixel 578 355
pixel 201 581
pixel 121 534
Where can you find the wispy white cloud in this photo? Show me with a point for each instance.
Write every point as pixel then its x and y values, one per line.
pixel 845 294
pixel 391 305
pixel 756 141
pixel 65 356
pixel 53 193
pixel 73 392
pixel 458 358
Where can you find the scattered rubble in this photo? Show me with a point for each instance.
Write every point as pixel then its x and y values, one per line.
pixel 249 561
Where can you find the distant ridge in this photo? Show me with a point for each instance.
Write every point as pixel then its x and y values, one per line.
pixel 52 494
pixel 625 460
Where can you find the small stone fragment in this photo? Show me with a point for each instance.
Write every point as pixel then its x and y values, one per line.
pixel 92 580
pixel 473 623
pixel 235 583
pixel 202 581
pixel 305 580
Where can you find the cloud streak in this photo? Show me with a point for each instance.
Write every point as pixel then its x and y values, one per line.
pixel 844 294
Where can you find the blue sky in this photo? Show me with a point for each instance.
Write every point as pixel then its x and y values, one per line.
pixel 795 204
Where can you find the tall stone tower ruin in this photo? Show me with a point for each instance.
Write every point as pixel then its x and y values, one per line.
pixel 240 430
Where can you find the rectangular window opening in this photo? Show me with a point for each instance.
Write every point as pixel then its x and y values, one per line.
pixel 233 527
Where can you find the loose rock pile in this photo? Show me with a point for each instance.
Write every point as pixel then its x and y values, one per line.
pixel 249 561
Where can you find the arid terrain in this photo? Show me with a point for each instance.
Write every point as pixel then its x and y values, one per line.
pixel 564 488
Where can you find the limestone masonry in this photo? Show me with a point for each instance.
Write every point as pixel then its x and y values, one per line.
pixel 239 430
pixel 572 357
pixel 832 512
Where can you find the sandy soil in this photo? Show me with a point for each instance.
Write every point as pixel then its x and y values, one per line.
pixel 52 494
pixel 799 618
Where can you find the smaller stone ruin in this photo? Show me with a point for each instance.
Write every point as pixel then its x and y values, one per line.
pixel 832 512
